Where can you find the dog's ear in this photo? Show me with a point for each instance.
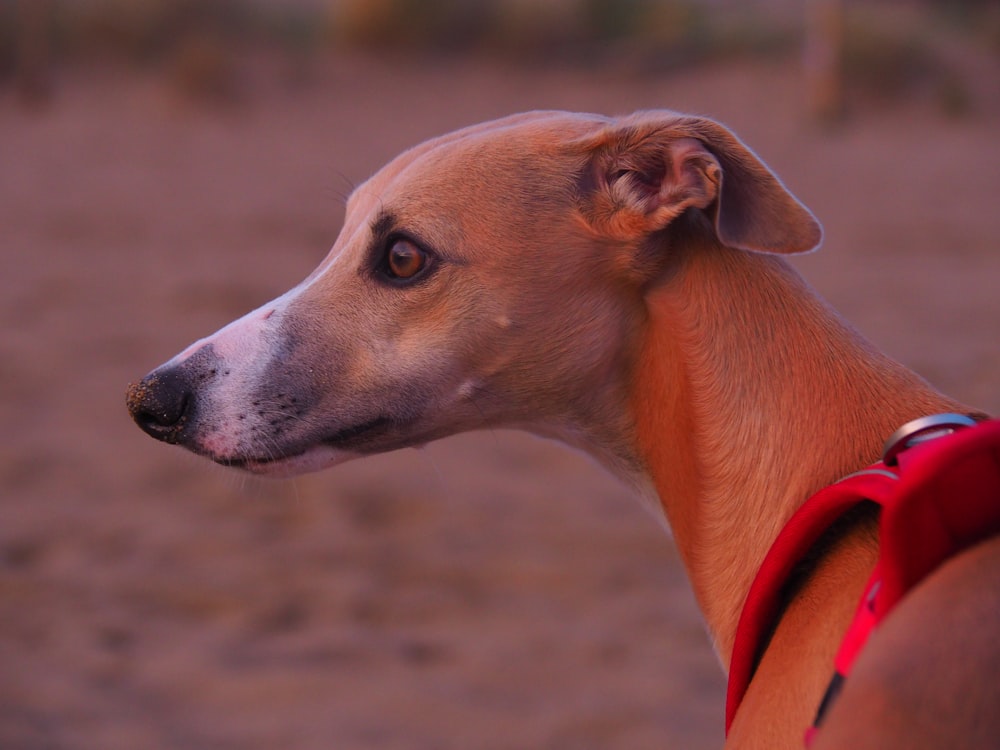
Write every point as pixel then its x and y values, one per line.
pixel 648 170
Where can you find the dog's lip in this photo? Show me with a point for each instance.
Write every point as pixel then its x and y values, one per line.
pixel 315 458
pixel 346 439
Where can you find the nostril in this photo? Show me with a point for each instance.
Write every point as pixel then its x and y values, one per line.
pixel 160 404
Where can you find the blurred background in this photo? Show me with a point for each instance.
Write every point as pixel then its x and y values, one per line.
pixel 168 165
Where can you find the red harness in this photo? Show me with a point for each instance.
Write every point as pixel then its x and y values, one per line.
pixel 937 496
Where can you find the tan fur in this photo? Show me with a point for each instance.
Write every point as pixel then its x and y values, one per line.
pixel 615 284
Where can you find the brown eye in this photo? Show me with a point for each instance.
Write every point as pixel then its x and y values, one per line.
pixel 405 260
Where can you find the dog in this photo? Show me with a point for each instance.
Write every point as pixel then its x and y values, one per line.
pixel 617 284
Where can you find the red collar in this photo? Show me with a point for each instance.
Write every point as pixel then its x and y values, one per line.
pixel 945 493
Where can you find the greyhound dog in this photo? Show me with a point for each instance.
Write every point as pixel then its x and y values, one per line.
pixel 617 284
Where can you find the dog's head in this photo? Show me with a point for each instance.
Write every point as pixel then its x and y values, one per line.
pixel 490 277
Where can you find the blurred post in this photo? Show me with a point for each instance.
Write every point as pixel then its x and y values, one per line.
pixel 822 59
pixel 33 64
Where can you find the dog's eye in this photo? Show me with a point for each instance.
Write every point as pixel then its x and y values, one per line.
pixel 404 260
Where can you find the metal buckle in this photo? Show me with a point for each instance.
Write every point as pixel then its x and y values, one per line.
pixel 921 430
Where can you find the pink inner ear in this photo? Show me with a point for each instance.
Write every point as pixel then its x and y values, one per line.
pixel 652 167
pixel 691 179
pixel 754 210
pixel 649 185
pixel 695 173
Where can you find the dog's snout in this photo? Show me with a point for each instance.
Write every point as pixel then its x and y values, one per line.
pixel 161 404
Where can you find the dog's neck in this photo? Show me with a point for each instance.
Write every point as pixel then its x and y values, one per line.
pixel 749 395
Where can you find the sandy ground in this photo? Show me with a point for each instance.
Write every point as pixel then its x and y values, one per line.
pixel 493 591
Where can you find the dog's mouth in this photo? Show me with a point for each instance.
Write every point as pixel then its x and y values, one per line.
pixel 339 446
pixel 350 437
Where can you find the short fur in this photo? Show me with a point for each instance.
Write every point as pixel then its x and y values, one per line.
pixel 617 284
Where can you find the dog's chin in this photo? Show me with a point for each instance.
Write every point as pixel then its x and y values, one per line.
pixel 315 458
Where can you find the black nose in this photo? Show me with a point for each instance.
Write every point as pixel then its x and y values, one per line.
pixel 161 404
